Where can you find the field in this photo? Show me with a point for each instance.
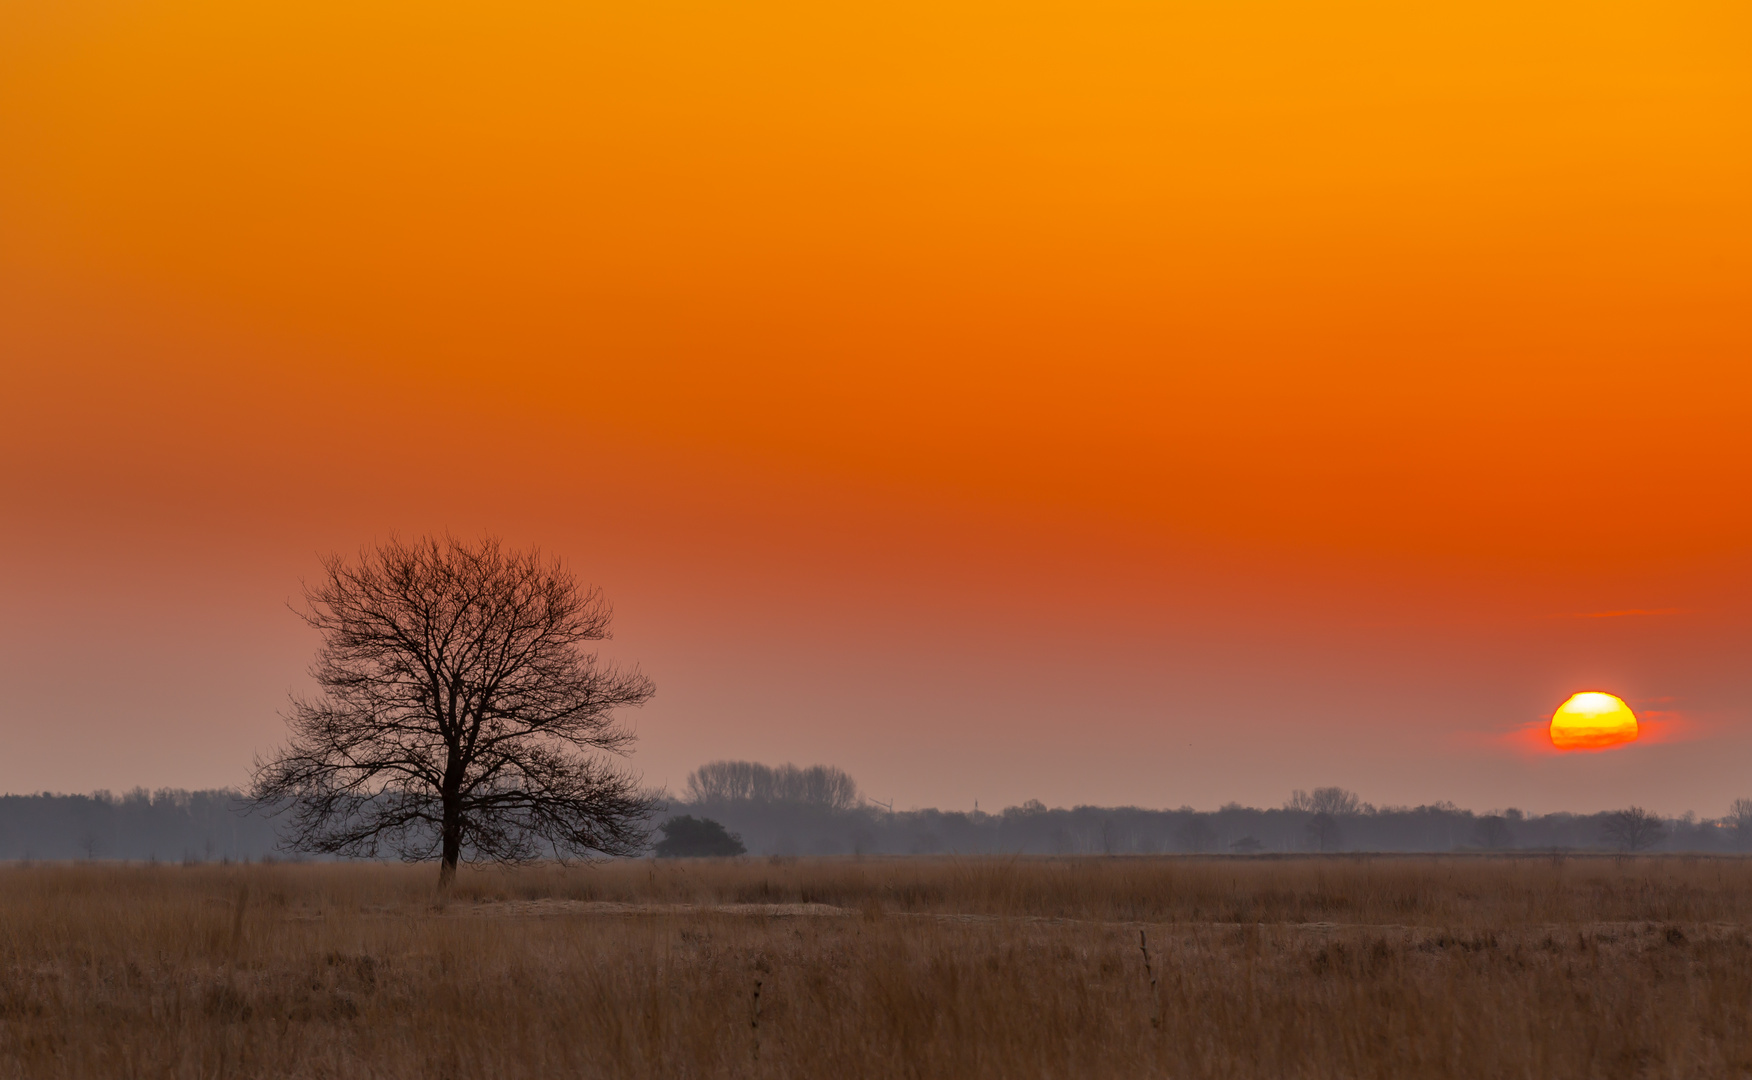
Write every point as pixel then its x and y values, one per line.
pixel 1308 967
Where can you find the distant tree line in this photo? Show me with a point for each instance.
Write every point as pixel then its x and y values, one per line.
pixel 777 817
pixel 786 810
pixel 168 825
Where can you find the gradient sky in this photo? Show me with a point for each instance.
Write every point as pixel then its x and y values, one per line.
pixel 1155 403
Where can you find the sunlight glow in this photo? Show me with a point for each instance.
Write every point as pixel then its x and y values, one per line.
pixel 1592 720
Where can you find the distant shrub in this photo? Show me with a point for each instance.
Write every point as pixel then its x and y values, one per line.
pixel 689 837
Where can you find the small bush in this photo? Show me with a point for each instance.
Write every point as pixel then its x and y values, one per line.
pixel 689 837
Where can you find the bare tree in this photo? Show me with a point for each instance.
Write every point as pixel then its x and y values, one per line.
pixel 1632 829
pixel 459 715
pixel 1335 801
pixel 1327 806
pixel 1739 819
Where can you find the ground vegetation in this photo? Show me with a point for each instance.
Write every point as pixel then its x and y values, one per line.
pixel 1191 967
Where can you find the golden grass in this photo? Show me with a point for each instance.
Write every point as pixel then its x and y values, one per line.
pixel 1343 967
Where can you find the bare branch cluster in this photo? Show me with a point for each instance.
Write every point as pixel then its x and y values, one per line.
pixel 1332 801
pixel 1633 829
pixel 1739 819
pixel 459 713
pixel 746 781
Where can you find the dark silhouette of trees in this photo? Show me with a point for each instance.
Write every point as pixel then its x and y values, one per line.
pixel 1324 830
pixel 167 824
pixel 689 837
pixel 459 715
pixel 1632 829
pixel 1327 806
pixel 1196 834
pixel 821 786
pixel 1335 801
pixel 1492 832
pixel 1739 820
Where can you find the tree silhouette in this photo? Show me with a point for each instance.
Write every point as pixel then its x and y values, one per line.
pixel 1327 805
pixel 1492 832
pixel 1335 801
pixel 459 715
pixel 687 836
pixel 1740 820
pixel 1324 830
pixel 822 786
pixel 1632 829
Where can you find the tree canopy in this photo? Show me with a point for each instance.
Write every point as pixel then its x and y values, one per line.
pixel 458 713
pixel 686 836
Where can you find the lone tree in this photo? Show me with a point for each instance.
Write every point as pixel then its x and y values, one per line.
pixel 1632 829
pixel 459 714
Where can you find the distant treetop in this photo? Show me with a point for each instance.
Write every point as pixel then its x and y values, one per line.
pixel 1335 801
pixel 821 786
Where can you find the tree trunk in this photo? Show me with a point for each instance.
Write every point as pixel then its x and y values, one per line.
pixel 450 828
pixel 452 838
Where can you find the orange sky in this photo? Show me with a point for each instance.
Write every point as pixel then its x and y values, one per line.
pixel 1154 403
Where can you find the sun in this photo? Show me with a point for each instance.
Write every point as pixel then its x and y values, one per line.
pixel 1592 720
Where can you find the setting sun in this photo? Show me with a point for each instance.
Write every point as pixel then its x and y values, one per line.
pixel 1592 721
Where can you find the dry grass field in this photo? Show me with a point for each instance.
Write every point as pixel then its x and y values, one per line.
pixel 1331 967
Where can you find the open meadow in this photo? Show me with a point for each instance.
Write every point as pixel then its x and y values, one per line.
pixel 1346 966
